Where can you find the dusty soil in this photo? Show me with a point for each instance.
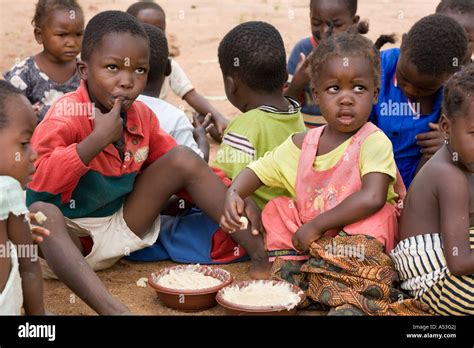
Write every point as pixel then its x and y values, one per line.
pixel 198 27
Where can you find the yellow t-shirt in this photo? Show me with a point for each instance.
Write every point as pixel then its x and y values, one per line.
pixel 278 168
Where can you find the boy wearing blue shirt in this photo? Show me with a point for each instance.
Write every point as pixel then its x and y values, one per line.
pixel 409 103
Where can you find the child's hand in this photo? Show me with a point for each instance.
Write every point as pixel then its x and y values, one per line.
pixel 201 128
pixel 301 77
pixel 431 141
pixel 242 214
pixel 253 213
pixel 234 208
pixel 221 124
pixel 109 126
pixel 305 235
pixel 37 232
pixel 37 108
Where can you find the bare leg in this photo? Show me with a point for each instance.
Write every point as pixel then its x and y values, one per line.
pixel 64 257
pixel 181 169
pixel 260 267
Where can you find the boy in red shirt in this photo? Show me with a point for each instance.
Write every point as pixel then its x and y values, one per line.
pixel 111 169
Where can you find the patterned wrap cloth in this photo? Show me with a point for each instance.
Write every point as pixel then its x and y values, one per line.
pixel 352 275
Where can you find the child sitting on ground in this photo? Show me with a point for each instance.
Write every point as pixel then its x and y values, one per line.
pixel 409 104
pixel 172 120
pixel 254 86
pixel 435 257
pixel 21 284
pixel 462 11
pixel 152 13
pixel 43 78
pixel 344 184
pixel 111 169
pixel 339 15
pixel 341 176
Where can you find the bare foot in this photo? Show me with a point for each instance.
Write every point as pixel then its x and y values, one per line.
pixel 124 311
pixel 260 268
pixel 118 308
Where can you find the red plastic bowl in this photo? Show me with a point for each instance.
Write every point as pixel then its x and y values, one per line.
pixel 237 309
pixel 190 300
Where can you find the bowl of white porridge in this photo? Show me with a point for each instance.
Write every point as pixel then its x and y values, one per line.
pixel 260 297
pixel 189 287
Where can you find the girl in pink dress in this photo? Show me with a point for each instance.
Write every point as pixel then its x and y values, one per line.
pixel 342 176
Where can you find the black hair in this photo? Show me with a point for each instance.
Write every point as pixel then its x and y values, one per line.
pixel 6 91
pixel 351 5
pixel 256 53
pixel 135 8
pixel 348 44
pixel 436 45
pixel 109 22
pixel 457 89
pixel 158 52
pixel 45 7
pixel 460 6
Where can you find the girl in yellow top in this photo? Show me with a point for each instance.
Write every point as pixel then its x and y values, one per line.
pixel 343 175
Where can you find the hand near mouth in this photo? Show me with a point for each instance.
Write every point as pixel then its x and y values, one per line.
pixel 108 129
pixel 109 126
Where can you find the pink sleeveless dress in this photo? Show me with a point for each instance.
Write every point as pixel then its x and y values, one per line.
pixel 320 191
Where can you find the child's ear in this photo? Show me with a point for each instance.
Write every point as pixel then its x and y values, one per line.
pixel 231 85
pixel 356 19
pixel 82 69
pixel 315 95
pixel 38 35
pixel 376 95
pixel 168 68
pixel 444 126
pixel 403 38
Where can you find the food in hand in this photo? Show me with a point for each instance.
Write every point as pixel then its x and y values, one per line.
pixel 40 217
pixel 244 222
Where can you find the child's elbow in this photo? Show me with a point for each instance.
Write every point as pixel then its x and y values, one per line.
pixel 375 201
pixel 459 265
pixel 458 269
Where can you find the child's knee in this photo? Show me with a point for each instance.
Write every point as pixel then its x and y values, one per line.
pixel 184 159
pixel 50 210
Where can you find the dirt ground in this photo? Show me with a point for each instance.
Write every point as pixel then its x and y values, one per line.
pixel 198 26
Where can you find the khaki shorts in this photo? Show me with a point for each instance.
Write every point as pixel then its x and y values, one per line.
pixel 11 298
pixel 112 239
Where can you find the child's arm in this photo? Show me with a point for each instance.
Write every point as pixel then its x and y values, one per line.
pixel 454 221
pixel 21 76
pixel 31 279
pixel 61 160
pixel 422 162
pixel 108 129
pixel 359 205
pixel 203 107
pixel 200 134
pixel 246 183
pixel 300 78
pixel 430 142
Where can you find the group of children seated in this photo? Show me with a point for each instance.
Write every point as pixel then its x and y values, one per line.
pixel 119 172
